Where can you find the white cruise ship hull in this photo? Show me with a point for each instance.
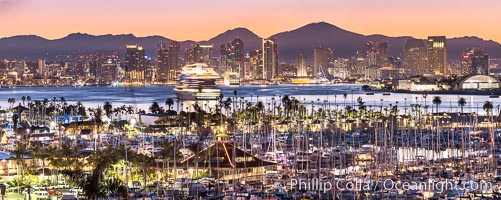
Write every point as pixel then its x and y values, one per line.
pixel 197 94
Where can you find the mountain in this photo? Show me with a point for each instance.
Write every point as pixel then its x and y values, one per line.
pixel 345 43
pixel 250 39
pixel 291 43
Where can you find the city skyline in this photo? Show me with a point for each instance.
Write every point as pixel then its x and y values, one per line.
pixel 416 19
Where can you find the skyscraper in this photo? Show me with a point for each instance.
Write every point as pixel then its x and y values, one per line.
pixel 232 56
pixel 162 61
pixel 173 63
pixel 301 66
pixel 270 59
pixel 480 63
pixel 437 55
pixel 382 49
pixel 199 53
pixel 256 64
pixel 135 63
pixel 321 57
pixel 237 52
pixel 41 67
pixel 237 49
pixel 474 61
pixel 415 58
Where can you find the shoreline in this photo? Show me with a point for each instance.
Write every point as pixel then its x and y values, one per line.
pixel 458 92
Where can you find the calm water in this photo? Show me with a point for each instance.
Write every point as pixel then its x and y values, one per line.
pixel 142 97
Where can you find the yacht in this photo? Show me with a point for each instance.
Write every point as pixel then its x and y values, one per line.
pixel 197 82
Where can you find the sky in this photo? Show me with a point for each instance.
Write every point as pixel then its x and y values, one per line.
pixel 204 19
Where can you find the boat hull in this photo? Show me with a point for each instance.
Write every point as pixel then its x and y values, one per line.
pixel 197 94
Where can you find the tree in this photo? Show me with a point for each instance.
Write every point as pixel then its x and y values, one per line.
pixel 23 98
pixel 107 108
pixel 488 108
pixel 170 151
pixel 19 154
pixel 169 102
pixel 227 105
pixel 155 108
pixel 94 184
pixel 437 101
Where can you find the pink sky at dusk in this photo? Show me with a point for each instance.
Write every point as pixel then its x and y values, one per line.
pixel 202 19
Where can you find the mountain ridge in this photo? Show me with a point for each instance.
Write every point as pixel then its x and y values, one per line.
pixel 293 42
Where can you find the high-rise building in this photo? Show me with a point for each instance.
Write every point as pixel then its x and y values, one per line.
pixel 199 53
pixel 480 63
pixel 301 66
pixel 162 61
pixel 474 61
pixel 41 67
pixel 340 69
pixel 382 49
pixel 173 62
pixel 270 59
pixel 109 69
pixel 135 64
pixel 237 48
pixel 232 56
pixel 321 58
pixel 256 64
pixel 357 65
pixel 437 55
pixel 415 58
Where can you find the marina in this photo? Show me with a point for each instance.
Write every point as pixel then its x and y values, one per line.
pixel 342 145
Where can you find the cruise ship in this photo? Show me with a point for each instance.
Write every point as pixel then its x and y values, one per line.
pixel 197 82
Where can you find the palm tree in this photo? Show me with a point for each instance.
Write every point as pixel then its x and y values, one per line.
pixel 227 105
pixel 169 102
pixel 23 98
pixel 488 108
pixel 195 148
pixel 155 108
pixel 437 101
pixel 170 151
pixel 286 101
pixel 11 101
pixel 107 108
pixel 19 154
pixel 461 103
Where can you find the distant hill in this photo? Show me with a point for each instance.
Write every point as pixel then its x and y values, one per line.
pixel 291 43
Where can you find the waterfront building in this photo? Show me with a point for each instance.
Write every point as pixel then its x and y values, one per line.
pixel 340 69
pixel 232 57
pixel 321 59
pixel 478 82
pixel 270 59
pixel 109 69
pixel 437 55
pixel 162 61
pixel 41 67
pixel 200 53
pixel 232 163
pixel 474 61
pixel 256 64
pixel 173 61
pixel 135 64
pixel 415 58
pixel 301 66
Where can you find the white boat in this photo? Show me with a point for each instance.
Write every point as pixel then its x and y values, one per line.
pixel 197 82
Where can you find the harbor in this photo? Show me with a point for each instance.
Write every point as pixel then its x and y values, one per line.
pixel 345 145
